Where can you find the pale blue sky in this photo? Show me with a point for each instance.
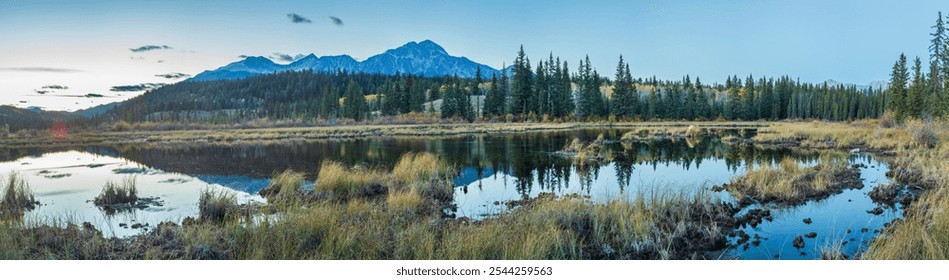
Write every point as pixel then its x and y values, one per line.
pixel 848 41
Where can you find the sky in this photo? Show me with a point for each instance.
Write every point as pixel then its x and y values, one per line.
pixel 88 46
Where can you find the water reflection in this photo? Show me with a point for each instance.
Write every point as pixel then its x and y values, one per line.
pixel 492 169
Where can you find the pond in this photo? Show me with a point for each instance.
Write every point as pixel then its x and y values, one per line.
pixel 493 169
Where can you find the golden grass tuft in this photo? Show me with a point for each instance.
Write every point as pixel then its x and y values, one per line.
pixel 345 183
pixel 218 206
pixel 17 197
pixel 285 189
pixel 789 182
pixel 115 193
pixel 420 167
pixel 923 235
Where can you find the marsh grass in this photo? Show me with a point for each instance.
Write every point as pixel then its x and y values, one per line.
pixel 218 206
pixel 344 183
pixel 922 234
pixel 790 183
pixel 833 251
pixel 285 189
pixel 116 194
pixel 17 197
pixel 920 162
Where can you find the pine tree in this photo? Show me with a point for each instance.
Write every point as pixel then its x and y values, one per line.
pixel 566 104
pixel 355 103
pixel 494 101
pixel 938 70
pixel 897 90
pixel 915 100
pixel 542 96
pixel 522 85
pixel 329 105
pixel 622 91
pixel 590 100
pixel 416 96
pixel 476 92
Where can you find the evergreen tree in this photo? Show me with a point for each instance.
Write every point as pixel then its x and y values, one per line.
pixel 897 90
pixel 938 70
pixel 522 85
pixel 416 95
pixel 590 99
pixel 355 102
pixel 494 101
pixel 622 99
pixel 565 102
pixel 915 97
pixel 329 104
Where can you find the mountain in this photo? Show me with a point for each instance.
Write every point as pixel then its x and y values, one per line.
pixel 97 110
pixel 875 85
pixel 19 118
pixel 424 58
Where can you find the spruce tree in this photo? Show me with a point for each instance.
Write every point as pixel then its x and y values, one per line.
pixel 915 100
pixel 493 102
pixel 897 90
pixel 522 85
pixel 355 102
pixel 622 91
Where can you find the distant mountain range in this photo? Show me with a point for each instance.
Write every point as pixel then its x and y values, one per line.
pixel 425 58
pixel 875 85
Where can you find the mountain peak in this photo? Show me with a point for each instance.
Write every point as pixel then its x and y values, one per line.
pixel 428 45
pixel 425 58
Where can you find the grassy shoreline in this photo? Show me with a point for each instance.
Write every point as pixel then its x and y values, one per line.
pixel 338 132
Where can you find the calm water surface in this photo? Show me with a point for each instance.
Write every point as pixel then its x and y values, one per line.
pixel 493 169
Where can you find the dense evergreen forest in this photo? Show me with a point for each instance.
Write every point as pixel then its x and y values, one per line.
pixel 545 91
pixel 550 91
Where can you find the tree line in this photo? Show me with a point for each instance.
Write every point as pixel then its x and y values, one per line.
pixel 547 90
pixel 925 94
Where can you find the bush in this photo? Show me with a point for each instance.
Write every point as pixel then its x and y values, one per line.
pixel 888 120
pixel 923 133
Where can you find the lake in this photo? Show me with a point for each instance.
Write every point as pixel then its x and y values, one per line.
pixel 493 169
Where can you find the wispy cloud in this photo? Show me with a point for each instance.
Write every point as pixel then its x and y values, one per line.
pixel 88 95
pixel 285 57
pixel 138 87
pixel 55 87
pixel 173 75
pixel 39 69
pixel 336 21
pixel 295 18
pixel 146 48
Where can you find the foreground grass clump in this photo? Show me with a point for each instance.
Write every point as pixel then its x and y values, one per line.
pixel 285 189
pixel 218 206
pixel 790 183
pixel 17 197
pixel 113 194
pixel 656 226
pixel 425 175
pixel 923 234
pixel 344 183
